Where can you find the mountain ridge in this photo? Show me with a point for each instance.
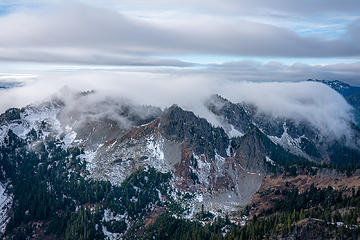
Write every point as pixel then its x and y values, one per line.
pixel 84 157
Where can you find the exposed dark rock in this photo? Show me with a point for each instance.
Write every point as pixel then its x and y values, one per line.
pixel 119 160
pixel 254 147
pixel 179 125
pixel 10 115
pixel 251 151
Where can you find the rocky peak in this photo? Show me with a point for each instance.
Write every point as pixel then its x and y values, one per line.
pixel 10 115
pixel 179 125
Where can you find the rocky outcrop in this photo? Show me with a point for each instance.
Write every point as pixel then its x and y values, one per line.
pixel 10 115
pixel 184 126
pixel 252 151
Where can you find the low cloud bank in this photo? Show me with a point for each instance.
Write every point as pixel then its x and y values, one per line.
pixel 314 102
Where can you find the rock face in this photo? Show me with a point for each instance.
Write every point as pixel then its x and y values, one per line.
pixel 183 126
pixel 10 115
pixel 252 151
pixel 197 154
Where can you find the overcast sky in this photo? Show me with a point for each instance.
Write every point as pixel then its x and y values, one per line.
pixel 162 52
pixel 253 40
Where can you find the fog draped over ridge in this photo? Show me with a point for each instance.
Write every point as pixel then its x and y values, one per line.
pixel 314 102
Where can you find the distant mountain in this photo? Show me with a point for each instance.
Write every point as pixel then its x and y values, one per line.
pixel 350 93
pixel 341 87
pixel 71 171
pixel 7 84
pixel 300 138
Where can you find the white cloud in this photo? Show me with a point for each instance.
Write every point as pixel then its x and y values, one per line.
pixel 314 102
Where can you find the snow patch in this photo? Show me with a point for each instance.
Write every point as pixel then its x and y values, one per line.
pixel 110 235
pixel 228 151
pixel 234 132
pixel 5 206
pixel 269 160
pixel 32 118
pixel 200 198
pixel 204 168
pixel 155 148
pixel 109 216
pixel 69 137
pixel 287 142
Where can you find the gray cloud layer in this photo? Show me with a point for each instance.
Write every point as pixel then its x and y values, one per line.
pixel 275 71
pixel 80 33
